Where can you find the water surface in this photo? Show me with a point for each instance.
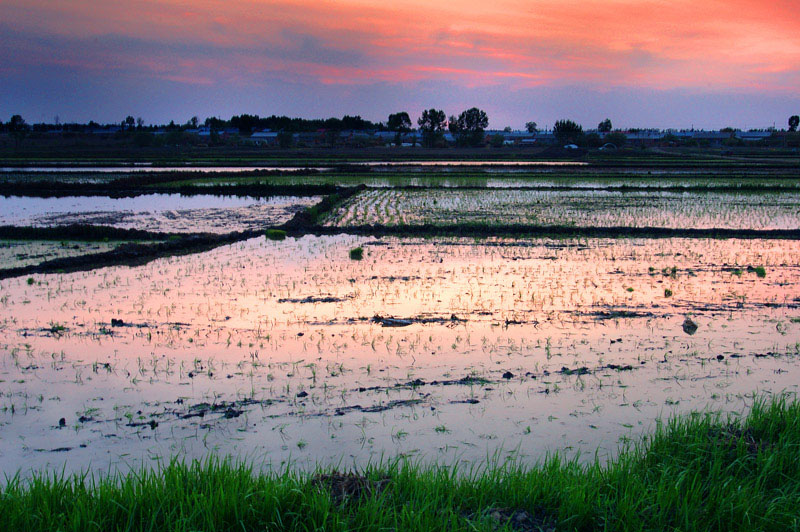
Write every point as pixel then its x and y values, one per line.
pixel 155 212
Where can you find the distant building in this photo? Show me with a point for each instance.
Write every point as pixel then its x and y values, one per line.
pixel 516 138
pixel 265 137
pixel 753 136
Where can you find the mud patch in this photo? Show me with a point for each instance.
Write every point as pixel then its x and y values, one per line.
pixel 315 299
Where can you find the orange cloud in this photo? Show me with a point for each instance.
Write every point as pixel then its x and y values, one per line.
pixel 647 43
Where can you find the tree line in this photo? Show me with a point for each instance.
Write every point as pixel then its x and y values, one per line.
pixel 468 128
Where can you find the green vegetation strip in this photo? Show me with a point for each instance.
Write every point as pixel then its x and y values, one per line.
pixel 310 217
pixel 302 158
pixel 701 472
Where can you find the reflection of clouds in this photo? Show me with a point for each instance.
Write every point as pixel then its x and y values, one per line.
pixel 194 216
pixel 532 307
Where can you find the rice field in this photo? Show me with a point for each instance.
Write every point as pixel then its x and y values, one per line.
pixel 165 213
pixel 570 208
pixel 322 345
pixel 290 352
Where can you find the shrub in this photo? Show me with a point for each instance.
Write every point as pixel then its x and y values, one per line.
pixel 357 253
pixel 276 234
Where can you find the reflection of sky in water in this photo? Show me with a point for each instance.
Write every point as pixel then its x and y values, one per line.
pixel 155 212
pixel 17 209
pixel 236 169
pixel 148 169
pixel 218 316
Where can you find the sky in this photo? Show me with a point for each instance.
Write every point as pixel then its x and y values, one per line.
pixel 642 63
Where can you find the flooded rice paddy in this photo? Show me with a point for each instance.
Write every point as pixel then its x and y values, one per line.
pixel 584 208
pixel 438 349
pixel 155 212
pixel 18 253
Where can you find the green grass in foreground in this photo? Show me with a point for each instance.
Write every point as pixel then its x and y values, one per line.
pixel 700 472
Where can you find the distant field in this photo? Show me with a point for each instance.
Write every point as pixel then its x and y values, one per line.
pixel 753 178
pixel 247 156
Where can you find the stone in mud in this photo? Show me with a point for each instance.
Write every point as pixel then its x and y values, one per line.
pixel 508 375
pixel 689 326
pixel 117 322
pixel 620 368
pixel 392 322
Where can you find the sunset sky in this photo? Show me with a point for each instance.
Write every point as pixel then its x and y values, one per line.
pixel 642 63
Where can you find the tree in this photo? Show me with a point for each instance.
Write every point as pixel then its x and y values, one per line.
pixel 139 123
pixel 193 122
pixel 285 139
pixel 471 125
pixel 617 138
pixel 567 131
pixel 129 121
pixel 604 126
pixel 592 140
pixel 214 137
pixel 452 125
pixel 531 127
pixel 432 124
pixel 18 128
pixel 399 122
pixel 794 121
pixel 17 123
pixel 245 123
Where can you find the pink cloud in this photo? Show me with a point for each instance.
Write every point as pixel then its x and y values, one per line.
pixel 647 43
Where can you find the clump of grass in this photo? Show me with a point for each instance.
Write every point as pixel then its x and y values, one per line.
pixel 357 253
pixel 695 473
pixel 57 328
pixel 760 272
pixel 30 281
pixel 276 234
pixel 667 292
